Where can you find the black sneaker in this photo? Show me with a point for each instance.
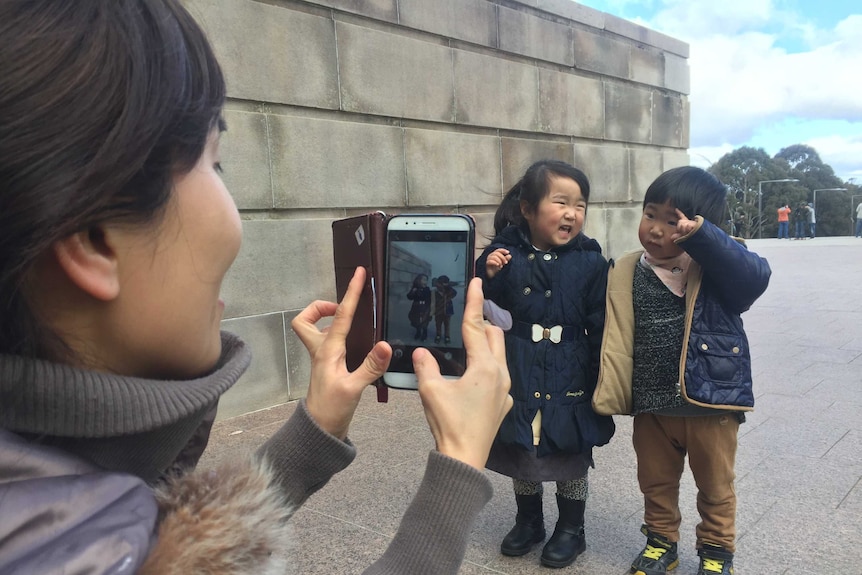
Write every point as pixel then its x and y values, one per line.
pixel 715 560
pixel 658 557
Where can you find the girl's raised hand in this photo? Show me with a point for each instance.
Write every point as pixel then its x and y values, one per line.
pixel 684 226
pixel 495 261
pixel 465 414
pixel 334 392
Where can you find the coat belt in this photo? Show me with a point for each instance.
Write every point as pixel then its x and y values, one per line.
pixel 537 332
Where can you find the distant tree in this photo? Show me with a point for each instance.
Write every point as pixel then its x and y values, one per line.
pixel 742 169
pixel 801 157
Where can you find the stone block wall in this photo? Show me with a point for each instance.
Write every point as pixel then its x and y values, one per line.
pixel 338 107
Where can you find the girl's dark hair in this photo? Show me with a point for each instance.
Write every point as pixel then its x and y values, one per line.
pixel 102 102
pixel 532 188
pixel 417 278
pixel 693 190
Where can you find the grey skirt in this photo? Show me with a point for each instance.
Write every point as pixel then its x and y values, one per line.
pixel 519 463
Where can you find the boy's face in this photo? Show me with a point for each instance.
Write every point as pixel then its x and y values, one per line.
pixel 658 224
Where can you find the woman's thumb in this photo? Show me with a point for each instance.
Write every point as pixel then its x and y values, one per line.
pixel 376 362
pixel 425 365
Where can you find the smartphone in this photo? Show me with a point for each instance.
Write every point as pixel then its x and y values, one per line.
pixel 360 241
pixel 429 262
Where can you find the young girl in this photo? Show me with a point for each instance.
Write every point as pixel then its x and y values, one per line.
pixel 115 234
pixel 444 309
pixel 675 356
pixel 420 311
pixel 551 278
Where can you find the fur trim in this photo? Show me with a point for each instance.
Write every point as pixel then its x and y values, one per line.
pixel 229 520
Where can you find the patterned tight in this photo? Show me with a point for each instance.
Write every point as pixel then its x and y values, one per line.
pixel 570 489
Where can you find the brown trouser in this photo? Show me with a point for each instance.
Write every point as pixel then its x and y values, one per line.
pixel 661 443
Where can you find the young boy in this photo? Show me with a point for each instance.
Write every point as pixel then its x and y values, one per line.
pixel 675 356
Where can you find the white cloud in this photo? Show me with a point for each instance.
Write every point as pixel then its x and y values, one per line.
pixel 687 19
pixel 844 154
pixel 705 156
pixel 743 81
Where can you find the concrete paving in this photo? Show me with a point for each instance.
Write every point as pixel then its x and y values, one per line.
pixel 799 466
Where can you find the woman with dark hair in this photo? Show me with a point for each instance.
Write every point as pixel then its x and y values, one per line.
pixel 115 234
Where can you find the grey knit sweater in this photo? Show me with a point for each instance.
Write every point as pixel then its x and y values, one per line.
pixel 659 328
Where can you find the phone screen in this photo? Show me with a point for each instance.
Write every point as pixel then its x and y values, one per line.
pixel 427 275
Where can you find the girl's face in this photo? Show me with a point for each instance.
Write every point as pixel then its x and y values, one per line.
pixel 166 318
pixel 559 217
pixel 658 224
pixel 423 281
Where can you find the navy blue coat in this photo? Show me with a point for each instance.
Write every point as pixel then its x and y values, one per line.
pixel 564 286
pixel 717 361
pixel 724 281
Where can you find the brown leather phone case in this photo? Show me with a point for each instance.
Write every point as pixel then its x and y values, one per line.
pixel 361 241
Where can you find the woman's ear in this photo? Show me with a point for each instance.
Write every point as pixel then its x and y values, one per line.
pixel 90 263
pixel 525 208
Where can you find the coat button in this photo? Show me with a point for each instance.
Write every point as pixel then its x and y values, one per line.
pixel 735 349
pixel 548 293
pixel 527 291
pixel 704 347
pixel 531 257
pixel 547 257
pixel 547 396
pixel 538 395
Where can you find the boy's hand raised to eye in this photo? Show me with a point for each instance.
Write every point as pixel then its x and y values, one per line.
pixel 684 226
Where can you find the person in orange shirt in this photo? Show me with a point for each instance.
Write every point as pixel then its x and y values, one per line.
pixel 784 222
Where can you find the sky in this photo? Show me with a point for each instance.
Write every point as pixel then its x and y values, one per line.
pixel 766 73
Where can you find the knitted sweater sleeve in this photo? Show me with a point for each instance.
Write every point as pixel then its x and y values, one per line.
pixel 433 534
pixel 304 457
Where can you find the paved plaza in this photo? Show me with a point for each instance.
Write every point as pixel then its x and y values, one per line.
pixel 799 465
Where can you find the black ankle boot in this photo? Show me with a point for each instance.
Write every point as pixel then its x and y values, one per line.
pixel 568 540
pixel 529 526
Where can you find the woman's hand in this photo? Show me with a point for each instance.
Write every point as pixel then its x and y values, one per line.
pixel 334 392
pixel 465 414
pixel 495 261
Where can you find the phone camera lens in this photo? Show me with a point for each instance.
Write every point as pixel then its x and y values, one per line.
pixel 427 238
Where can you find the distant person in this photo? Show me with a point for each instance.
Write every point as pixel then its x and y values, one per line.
pixel 420 311
pixel 740 225
pixel 800 221
pixel 859 220
pixel 443 308
pixel 784 222
pixel 677 303
pixel 812 220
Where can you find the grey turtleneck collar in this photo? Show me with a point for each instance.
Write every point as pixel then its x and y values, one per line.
pixel 120 423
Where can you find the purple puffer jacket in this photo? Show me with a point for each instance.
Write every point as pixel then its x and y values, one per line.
pixel 62 515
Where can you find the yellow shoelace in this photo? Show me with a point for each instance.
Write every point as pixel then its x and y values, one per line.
pixel 655 552
pixel 713 565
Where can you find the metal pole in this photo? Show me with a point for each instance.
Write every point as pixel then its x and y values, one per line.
pixel 760 210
